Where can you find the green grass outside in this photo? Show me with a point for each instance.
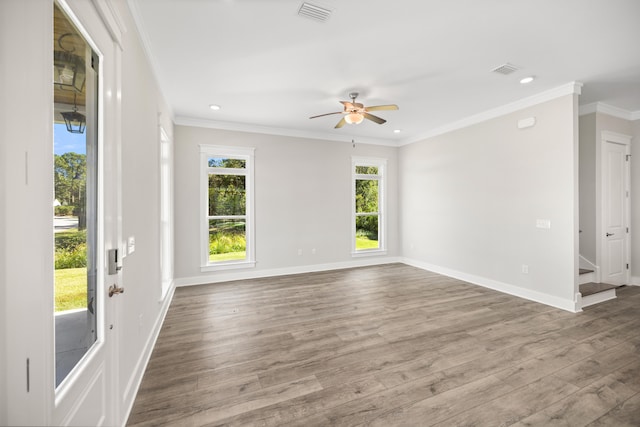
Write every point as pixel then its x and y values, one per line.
pixel 363 242
pixel 70 289
pixel 227 243
pixel 229 256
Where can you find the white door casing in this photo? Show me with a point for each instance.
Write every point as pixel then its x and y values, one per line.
pixel 614 239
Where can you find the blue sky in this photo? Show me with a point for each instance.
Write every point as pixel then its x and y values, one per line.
pixel 65 142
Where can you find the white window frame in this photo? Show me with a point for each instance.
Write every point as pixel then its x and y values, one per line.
pixel 166 212
pixel 381 164
pixel 242 153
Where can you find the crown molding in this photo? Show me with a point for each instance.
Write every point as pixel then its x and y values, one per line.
pixel 269 130
pixel 572 88
pixel 567 89
pixel 599 107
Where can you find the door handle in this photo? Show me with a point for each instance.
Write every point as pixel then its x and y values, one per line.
pixel 115 290
pixel 609 234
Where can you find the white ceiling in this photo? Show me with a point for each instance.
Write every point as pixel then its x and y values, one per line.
pixel 270 69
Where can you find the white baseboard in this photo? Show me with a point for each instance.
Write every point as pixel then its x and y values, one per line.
pixel 635 281
pixel 227 276
pixel 133 385
pixel 564 304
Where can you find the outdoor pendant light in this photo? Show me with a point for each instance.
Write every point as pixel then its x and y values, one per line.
pixel 76 122
pixel 69 69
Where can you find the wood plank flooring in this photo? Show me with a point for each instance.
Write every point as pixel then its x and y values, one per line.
pixel 388 345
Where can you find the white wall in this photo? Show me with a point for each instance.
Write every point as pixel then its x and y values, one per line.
pixel 635 203
pixel 4 70
pixel 302 201
pixel 25 166
pixel 143 111
pixel 588 186
pixel 470 200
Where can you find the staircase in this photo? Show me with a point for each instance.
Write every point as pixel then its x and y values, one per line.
pixel 594 293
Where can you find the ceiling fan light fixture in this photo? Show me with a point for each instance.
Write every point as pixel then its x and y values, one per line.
pixel 354 118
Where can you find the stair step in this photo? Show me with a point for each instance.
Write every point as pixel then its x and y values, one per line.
pixel 594 293
pixel 585 271
pixel 586 276
pixel 594 288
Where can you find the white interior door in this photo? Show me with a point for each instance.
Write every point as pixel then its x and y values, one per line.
pixel 615 241
pixel 86 392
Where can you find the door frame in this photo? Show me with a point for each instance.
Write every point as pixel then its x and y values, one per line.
pixel 625 140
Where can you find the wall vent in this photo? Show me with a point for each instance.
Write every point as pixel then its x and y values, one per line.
pixel 505 69
pixel 314 12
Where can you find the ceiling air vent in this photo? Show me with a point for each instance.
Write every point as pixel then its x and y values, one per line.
pixel 317 13
pixel 505 69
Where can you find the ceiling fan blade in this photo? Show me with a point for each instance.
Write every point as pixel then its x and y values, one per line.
pixel 382 107
pixel 328 114
pixel 373 118
pixel 347 105
pixel 341 123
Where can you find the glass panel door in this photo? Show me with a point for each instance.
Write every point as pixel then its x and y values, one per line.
pixel 75 146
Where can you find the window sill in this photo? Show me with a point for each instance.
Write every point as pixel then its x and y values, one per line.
pixel 227 266
pixel 369 252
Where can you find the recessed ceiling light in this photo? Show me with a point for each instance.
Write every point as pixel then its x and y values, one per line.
pixel 397 131
pixel 526 80
pixel 214 107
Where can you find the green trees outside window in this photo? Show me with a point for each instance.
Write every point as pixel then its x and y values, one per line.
pixel 227 209
pixel 70 182
pixel 367 206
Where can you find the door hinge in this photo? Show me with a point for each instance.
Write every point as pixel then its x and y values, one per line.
pixel 627 266
pixel 628 157
pixel 28 379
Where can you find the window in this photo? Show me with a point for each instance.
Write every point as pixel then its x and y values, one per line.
pixel 368 208
pixel 227 200
pixel 166 211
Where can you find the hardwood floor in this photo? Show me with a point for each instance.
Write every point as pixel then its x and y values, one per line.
pixel 389 345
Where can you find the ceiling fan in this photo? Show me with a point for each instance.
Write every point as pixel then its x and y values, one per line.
pixel 355 113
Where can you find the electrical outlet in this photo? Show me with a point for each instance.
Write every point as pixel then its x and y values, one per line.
pixel 299 252
pixel 525 269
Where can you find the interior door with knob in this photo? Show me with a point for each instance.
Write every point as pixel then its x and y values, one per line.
pixel 87 215
pixel 615 241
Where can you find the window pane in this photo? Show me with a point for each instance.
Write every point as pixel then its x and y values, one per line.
pixel 224 162
pixel 227 195
pixel 367 232
pixel 366 196
pixel 227 240
pixel 76 193
pixel 368 170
